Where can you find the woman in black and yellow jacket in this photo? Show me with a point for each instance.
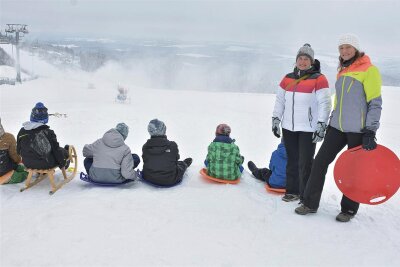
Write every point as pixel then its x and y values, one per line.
pixel 353 122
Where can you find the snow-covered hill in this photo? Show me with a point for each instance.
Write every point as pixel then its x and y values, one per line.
pixel 197 223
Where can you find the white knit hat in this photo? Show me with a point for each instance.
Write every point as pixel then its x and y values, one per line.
pixel 350 39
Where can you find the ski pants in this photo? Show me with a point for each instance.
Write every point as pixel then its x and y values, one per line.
pixel 300 153
pixel 334 142
pixel 88 162
pixel 180 171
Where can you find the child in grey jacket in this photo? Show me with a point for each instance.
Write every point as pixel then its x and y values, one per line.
pixel 109 159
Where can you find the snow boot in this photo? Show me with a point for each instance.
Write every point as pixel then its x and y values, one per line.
pixel 67 161
pixel 255 171
pixel 290 197
pixel 303 210
pixel 252 167
pixel 344 217
pixel 188 161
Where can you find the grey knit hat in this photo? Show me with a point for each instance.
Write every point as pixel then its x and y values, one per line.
pixel 123 129
pixel 156 128
pixel 306 50
pixel 1 129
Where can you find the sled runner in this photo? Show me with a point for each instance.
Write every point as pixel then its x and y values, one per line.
pixel 42 174
pixel 203 173
pixel 5 178
pixel 155 185
pixel 369 177
pixel 275 190
pixel 84 177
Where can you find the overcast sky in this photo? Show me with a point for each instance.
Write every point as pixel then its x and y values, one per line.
pixel 319 22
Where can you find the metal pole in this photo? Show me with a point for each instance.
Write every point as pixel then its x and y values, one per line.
pixel 17 65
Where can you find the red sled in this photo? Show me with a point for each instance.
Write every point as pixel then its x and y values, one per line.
pixel 203 172
pixel 275 190
pixel 369 177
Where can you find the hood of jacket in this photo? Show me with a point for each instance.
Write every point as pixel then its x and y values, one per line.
pixel 30 125
pixel 157 145
pixel 315 68
pixel 112 138
pixel 281 150
pixel 223 139
pixel 1 129
pixel 361 63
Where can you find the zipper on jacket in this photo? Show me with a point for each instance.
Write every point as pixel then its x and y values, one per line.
pixel 294 90
pixel 348 89
pixel 310 117
pixel 362 119
pixel 340 106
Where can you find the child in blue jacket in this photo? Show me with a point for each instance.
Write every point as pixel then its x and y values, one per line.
pixel 275 176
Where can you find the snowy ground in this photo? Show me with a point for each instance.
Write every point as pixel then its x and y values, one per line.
pixel 197 223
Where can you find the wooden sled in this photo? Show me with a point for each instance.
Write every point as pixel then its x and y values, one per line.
pixel 5 178
pixel 275 190
pixel 203 172
pixel 42 174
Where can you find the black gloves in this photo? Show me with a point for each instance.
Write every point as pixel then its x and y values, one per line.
pixel 319 133
pixel 368 139
pixel 276 128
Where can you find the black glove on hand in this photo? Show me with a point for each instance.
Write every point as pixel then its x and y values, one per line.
pixel 368 140
pixel 319 133
pixel 276 128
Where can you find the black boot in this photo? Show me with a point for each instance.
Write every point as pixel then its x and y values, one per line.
pixel 188 161
pixel 257 173
pixel 67 161
pixel 252 167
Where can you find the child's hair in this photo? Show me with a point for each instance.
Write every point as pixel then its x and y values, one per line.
pixel 223 129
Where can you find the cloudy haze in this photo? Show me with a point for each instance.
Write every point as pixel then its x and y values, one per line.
pixel 317 22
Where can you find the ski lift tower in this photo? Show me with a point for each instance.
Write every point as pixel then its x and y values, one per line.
pixel 19 30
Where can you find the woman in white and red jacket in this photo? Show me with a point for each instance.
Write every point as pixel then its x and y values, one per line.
pixel 302 106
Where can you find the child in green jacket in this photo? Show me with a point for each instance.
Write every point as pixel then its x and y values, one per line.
pixel 223 159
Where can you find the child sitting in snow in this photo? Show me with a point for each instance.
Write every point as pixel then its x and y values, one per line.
pixel 223 158
pixel 275 176
pixel 9 158
pixel 109 159
pixel 161 164
pixel 38 145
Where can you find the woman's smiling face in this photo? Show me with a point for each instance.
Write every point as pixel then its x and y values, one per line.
pixel 347 51
pixel 303 63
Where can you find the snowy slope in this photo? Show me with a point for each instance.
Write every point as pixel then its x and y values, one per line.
pixel 196 224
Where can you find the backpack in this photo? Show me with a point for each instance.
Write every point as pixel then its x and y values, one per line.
pixel 41 145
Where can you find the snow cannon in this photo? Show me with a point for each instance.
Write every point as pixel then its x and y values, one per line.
pixel 369 177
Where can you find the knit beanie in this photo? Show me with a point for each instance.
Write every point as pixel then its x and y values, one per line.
pixel 306 50
pixel 123 129
pixel 223 129
pixel 156 128
pixel 39 113
pixel 350 39
pixel 1 129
